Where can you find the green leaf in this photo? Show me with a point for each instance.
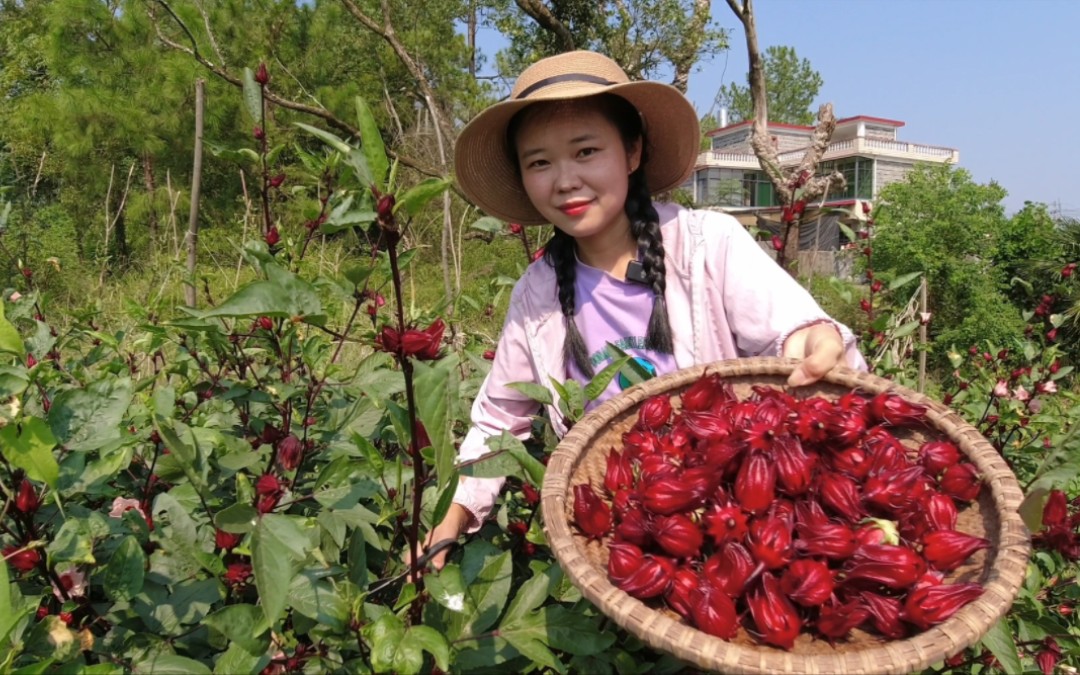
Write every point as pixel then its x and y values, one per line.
pixel 559 628
pixel 531 466
pixel 1056 478
pixel 327 137
pixel 905 329
pixel 372 143
pixel 272 564
pixel 28 446
pixel 999 641
pixel 536 392
pixel 489 224
pixel 533 593
pixel 493 465
pixel 432 642
pixel 123 574
pixel 236 659
pixel 386 636
pixel 253 98
pixel 433 394
pixel 903 280
pixel 355 158
pixel 634 372
pixel 847 231
pixel 72 543
pixel 243 625
pixel 161 663
pixel 169 610
pixel 1031 509
pixel 86 419
pixel 489 592
pixel 8 615
pixel 13 381
pixel 446 498
pixel 319 601
pixel 10 340
pixel 237 519
pixel 602 379
pixel 416 197
pixel 285 530
pixel 283 295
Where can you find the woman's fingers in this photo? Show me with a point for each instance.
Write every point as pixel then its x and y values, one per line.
pixel 820 348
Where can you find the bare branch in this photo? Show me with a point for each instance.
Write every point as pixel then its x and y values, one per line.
pixel 686 56
pixel 387 33
pixel 542 15
pixel 210 33
pixel 321 113
pixel 819 143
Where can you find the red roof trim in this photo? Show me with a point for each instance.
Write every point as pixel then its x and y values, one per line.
pixel 866 118
pixel 780 125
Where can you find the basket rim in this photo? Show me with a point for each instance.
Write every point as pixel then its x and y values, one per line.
pixel 1007 573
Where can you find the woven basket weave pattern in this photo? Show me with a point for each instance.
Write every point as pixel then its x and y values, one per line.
pixel 582 457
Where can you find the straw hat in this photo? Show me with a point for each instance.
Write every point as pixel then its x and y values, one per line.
pixel 487 172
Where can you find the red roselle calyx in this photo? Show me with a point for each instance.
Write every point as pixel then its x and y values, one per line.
pixel 714 613
pixel 26 500
pixel 774 615
pixel 962 482
pixel 755 486
pixel 654 413
pixel 592 514
pixel 946 550
pixel 807 582
pixel 678 535
pixel 931 605
pixel 895 410
pixel 809 513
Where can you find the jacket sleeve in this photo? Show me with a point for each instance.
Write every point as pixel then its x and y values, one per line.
pixel 498 408
pixel 763 303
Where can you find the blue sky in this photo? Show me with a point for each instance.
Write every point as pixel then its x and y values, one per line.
pixel 999 80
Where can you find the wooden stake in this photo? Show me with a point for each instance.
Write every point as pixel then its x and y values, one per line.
pixel 196 180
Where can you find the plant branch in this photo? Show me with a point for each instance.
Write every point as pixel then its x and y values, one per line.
pixel 321 113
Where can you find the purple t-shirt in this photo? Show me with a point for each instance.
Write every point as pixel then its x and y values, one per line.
pixel 609 310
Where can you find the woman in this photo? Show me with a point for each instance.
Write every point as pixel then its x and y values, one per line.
pixel 581 147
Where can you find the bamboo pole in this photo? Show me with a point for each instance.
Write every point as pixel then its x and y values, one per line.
pixel 923 310
pixel 196 180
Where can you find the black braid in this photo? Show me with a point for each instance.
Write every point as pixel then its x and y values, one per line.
pixel 645 226
pixel 560 254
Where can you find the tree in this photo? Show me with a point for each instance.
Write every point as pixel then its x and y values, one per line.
pixel 792 87
pixel 942 223
pixel 647 38
pixel 708 123
pixel 798 185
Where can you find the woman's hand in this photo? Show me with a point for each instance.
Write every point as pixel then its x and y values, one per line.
pixel 819 346
pixel 451 527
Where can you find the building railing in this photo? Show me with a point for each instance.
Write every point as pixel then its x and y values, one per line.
pixel 857 146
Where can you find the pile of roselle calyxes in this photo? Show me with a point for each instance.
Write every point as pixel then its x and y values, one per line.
pixel 784 516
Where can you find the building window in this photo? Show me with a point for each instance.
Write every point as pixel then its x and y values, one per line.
pixel 858 173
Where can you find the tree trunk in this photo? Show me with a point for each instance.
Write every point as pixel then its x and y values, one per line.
pixel 196 179
pixel 148 183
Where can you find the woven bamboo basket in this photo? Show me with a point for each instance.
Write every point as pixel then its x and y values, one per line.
pixel 581 457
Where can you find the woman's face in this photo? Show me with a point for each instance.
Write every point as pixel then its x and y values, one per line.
pixel 575 169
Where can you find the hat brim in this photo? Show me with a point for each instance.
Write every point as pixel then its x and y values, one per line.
pixel 489 177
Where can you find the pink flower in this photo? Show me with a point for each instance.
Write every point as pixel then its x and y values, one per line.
pixel 1048 387
pixel 73 581
pixel 1021 394
pixel 1001 389
pixel 15 296
pixel 122 505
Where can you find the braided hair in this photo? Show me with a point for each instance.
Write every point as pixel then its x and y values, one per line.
pixel 559 252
